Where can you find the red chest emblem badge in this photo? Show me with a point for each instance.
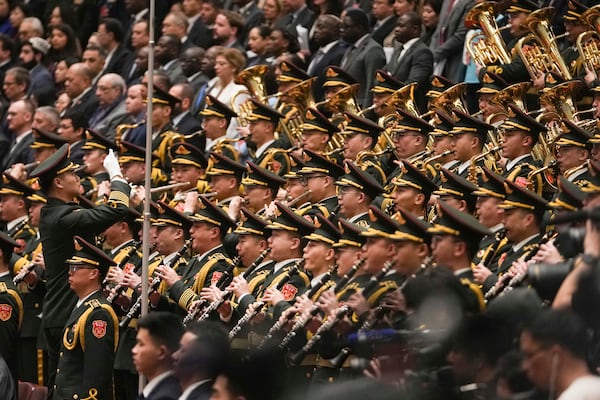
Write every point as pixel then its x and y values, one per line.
pixel 99 328
pixel 215 277
pixel 289 291
pixel 5 312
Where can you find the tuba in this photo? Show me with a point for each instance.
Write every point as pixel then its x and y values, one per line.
pixel 588 44
pixel 560 98
pixel 344 100
pixel 514 94
pixel 451 98
pixel 253 79
pixel 591 16
pixel 404 98
pixel 487 47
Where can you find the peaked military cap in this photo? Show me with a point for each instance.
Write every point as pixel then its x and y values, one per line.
pixel 592 185
pixel 491 184
pixel 467 124
pixel 385 82
pixel 316 121
pixel 95 140
pixel 46 140
pixel 163 98
pixel 259 176
pixel 457 223
pixel 131 153
pixel 88 254
pixel 519 197
pixel 526 6
pixel 325 231
pixel 315 163
pixel 187 154
pixel 411 227
pixel 291 73
pixel 456 186
pixel 214 108
pixel 222 165
pixel 570 196
pixel 350 234
pixel 38 197
pixel 170 216
pixel 519 121
pixel 442 124
pixel 155 212
pixel 11 185
pixel 296 164
pixel 356 124
pixel 412 177
pixel 262 112
pixel 359 179
pixel 336 76
pixel 252 224
pixel 575 11
pixel 287 220
pixel 211 213
pixel 406 122
pixel 491 83
pixel 6 242
pixel 439 85
pixel 381 225
pixel 58 163
pixel 573 135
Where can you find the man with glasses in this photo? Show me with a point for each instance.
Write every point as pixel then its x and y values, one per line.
pixel 356 191
pixel 572 152
pixel 412 190
pixel 91 331
pixel 260 187
pixel 320 175
pixel 111 91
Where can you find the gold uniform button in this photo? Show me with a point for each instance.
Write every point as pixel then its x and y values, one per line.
pixel 61 353
pixel 75 396
pixel 37 305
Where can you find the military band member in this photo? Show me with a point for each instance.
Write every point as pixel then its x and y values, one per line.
pixel 361 136
pixel 317 131
pixel 45 144
pixel 413 241
pixel 95 149
pixel 188 165
pixel 491 111
pixel 91 332
pixel 210 224
pixel 337 80
pixel 521 133
pixel 60 220
pixel 320 175
pixel 289 75
pixel 132 159
pixel 11 309
pixel 412 190
pixel 14 208
pixel 456 237
pixel 296 187
pixel 225 177
pixel 470 136
pixel 216 118
pixel 260 187
pixel 523 222
pixel 572 149
pixel 574 26
pixel 385 86
pixel 356 190
pixel 268 153
pixel 442 141
pixel 456 191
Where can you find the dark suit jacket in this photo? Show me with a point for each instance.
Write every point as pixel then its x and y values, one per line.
pixel 118 60
pixel 187 125
pixel 384 30
pixel 197 81
pixel 332 57
pixel 42 85
pixel 174 72
pixel 416 65
pixel 167 389
pixel 253 17
pixel 306 18
pixel 362 64
pixel 85 105
pixel 200 34
pixel 202 392
pixel 21 153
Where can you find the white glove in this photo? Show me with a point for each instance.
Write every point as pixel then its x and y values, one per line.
pixel 111 165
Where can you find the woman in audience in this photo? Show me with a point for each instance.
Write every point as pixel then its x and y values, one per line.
pixel 430 14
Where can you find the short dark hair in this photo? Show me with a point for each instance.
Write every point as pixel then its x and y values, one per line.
pixel 561 327
pixel 358 17
pixel 235 20
pixel 77 119
pixel 482 336
pixel 165 328
pixel 114 26
pixel 7 43
pixel 211 347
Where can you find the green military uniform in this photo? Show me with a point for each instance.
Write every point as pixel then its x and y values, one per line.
pixel 316 164
pixel 215 109
pixel 358 179
pixel 19 228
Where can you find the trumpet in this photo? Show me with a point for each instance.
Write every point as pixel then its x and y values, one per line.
pixel 472 176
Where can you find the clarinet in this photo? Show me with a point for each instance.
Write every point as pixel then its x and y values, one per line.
pixel 136 307
pixel 280 323
pixel 257 306
pixel 118 289
pixel 19 226
pixel 221 283
pixel 228 293
pixel 18 278
pixel 494 290
pixel 302 322
pixel 339 314
pixel 520 277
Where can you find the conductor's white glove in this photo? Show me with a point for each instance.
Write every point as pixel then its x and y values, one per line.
pixel 111 165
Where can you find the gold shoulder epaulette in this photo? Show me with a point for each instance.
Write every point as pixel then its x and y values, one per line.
pixel 94 303
pixel 3 287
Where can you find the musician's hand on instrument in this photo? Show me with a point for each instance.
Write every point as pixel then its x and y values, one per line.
pixel 540 81
pixel 272 296
pixel 167 274
pixel 328 302
pixel 18 171
pixel 137 195
pixel 358 303
pixel 131 280
pixel 303 304
pixel 590 77
pixel 31 279
pixel 115 275
pixel 518 267
pixel 480 273
pixel 234 207
pixel 39 260
pixel 238 286
pixel 211 293
pixel 104 189
pixel 271 210
pixel 244 131
pixel 548 253
pixel 395 301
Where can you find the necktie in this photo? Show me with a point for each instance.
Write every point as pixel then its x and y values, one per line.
pixel 400 50
pixel 200 98
pixel 318 56
pixel 347 56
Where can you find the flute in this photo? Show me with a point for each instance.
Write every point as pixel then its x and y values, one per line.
pixel 257 306
pixel 135 308
pixel 161 189
pixel 340 313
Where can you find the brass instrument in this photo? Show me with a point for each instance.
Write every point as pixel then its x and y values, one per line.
pixel 253 79
pixel 588 44
pixel 539 50
pixel 514 94
pixel 543 150
pixel 560 97
pixel 489 48
pixel 296 200
pixel 344 100
pixel 360 157
pixel 431 159
pixel 451 98
pixel 549 172
pixel 120 129
pixel 404 98
pixel 472 176
pixel 591 16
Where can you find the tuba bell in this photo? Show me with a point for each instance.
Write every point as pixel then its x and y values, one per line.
pixel 253 79
pixel 344 100
pixel 452 98
pixel 488 47
pixel 588 44
pixel 404 98
pixel 591 16
pixel 514 94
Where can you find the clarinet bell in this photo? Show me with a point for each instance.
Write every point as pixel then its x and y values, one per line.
pixel 338 361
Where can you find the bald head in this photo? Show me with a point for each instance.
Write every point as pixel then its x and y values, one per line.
pixel 79 78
